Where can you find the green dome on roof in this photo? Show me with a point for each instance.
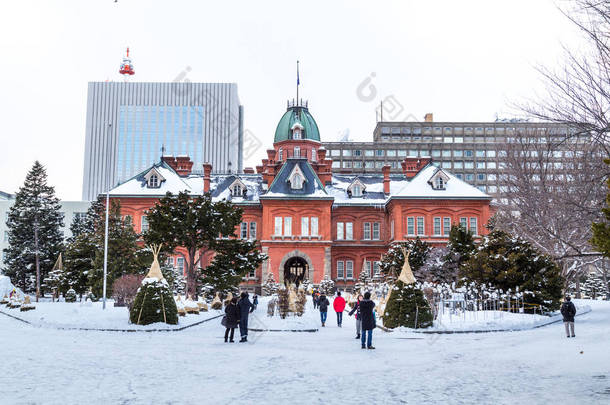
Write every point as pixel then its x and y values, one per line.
pixel 297 115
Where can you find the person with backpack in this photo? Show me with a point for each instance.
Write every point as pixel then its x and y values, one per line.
pixel 356 310
pixel 568 310
pixel 315 297
pixel 367 315
pixel 339 307
pixel 245 308
pixel 231 319
pixel 323 304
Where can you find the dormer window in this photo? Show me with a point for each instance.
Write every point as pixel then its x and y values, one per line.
pixel 356 189
pixel 237 189
pixel 439 180
pixel 153 178
pixel 297 130
pixel 296 178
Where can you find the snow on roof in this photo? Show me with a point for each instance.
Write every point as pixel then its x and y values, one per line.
pixel 400 187
pixel 419 187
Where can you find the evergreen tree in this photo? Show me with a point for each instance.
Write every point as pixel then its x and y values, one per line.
pixel 234 259
pixel 393 261
pixel 461 245
pixel 122 250
pixel 407 307
pixel 154 302
pixel 193 224
pixel 34 225
pixel 509 264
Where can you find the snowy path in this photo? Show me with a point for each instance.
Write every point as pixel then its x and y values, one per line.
pixel 196 366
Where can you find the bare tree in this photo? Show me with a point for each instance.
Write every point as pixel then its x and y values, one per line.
pixel 550 193
pixel 578 94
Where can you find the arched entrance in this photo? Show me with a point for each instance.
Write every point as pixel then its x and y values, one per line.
pixel 295 271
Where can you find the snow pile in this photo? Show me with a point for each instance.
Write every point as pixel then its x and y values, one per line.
pixel 6 287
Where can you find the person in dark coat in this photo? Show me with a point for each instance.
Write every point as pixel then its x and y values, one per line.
pixel 315 298
pixel 356 310
pixel 245 308
pixel 323 303
pixel 367 316
pixel 232 320
pixel 568 310
pixel 255 301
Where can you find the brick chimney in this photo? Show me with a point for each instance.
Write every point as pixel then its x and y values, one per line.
pixel 321 154
pixel 412 165
pixel 181 164
pixel 271 154
pixel 428 117
pixel 386 179
pixel 248 170
pixel 207 171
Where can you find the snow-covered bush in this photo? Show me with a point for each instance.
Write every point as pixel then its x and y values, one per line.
pixel 407 307
pixel 70 295
pixel 154 302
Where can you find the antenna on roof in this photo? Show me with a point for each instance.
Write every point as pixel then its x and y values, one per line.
pixel 298 81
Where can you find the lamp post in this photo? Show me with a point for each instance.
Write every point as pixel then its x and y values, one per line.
pixel 106 228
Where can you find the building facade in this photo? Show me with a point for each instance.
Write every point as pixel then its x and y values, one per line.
pixel 128 125
pixel 313 223
pixel 474 152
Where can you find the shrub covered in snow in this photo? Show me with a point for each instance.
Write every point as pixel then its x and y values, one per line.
pixel 327 286
pixel 154 302
pixel 70 295
pixel 407 307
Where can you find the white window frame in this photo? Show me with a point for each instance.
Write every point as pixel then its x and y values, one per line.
pixel 287 226
pixel 313 228
pixel 446 226
pixel 473 228
pixel 297 152
pixel 340 228
pixel 437 228
pixel 349 269
pixel 340 269
pixel 411 226
pixel 392 229
pixel 464 223
pixel 144 226
pixel 243 230
pixel 349 231
pixel 376 231
pixel 252 230
pixel 304 226
pixel 366 231
pixel 278 226
pixel 421 228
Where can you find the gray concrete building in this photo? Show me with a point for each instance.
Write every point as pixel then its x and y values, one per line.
pixel 473 151
pixel 128 125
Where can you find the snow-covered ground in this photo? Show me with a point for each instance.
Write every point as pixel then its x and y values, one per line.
pixel 195 366
pixel 91 316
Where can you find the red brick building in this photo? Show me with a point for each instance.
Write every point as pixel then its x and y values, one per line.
pixel 310 222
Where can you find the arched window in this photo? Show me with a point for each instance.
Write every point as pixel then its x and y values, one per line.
pixel 297 151
pixel 153 181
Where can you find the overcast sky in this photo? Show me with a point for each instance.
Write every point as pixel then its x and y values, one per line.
pixel 461 60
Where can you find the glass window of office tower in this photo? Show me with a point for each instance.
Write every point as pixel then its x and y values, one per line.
pixel 480 165
pixel 385 130
pixel 491 165
pixel 448 139
pixel 378 164
pixel 446 153
pixel 391 152
pixel 436 153
pixel 469 165
pixel 458 164
pixel 459 175
pixel 141 131
pixel 379 152
pixel 402 152
pixel 396 130
pixel 469 177
pixel 417 131
pixel 357 152
pixel 424 152
pixel 336 164
pixel 458 139
pixel 357 164
pixel 347 164
pixel 458 153
pixel 446 165
pixel 481 177
pixel 346 152
pixel 491 177
pixel 406 130
pixel 480 153
pixel 335 152
pixel 491 153
pixel 413 152
pixel 468 153
pixel 369 152
pixel 368 165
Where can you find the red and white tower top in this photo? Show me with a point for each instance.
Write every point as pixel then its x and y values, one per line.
pixel 127 67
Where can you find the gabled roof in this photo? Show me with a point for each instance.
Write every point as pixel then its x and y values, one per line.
pixel 312 188
pixel 173 182
pixel 419 187
pixel 220 183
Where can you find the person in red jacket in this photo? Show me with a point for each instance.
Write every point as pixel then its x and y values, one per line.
pixel 339 307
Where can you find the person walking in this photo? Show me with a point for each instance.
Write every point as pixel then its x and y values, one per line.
pixel 231 319
pixel 323 304
pixel 245 308
pixel 367 316
pixel 339 307
pixel 315 297
pixel 568 310
pixel 255 301
pixel 356 310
